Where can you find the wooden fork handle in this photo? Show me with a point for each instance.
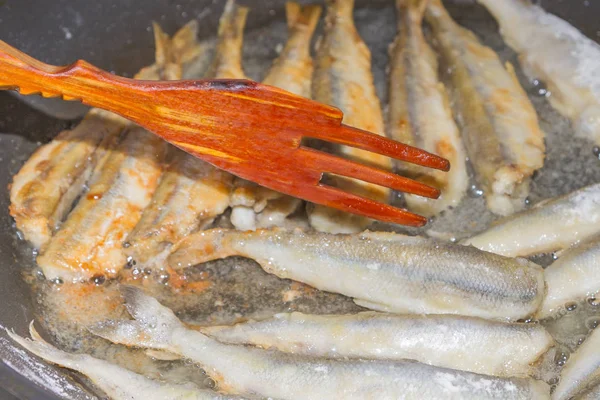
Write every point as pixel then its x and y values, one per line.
pixel 78 81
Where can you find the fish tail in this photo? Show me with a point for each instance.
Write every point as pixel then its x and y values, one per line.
pixel 340 8
pixel 185 43
pixel 233 21
pixel 45 350
pixel 414 8
pixel 298 15
pixel 436 8
pixel 227 63
pixel 161 43
pixel 201 247
pixel 438 17
pixel 169 52
pixel 152 327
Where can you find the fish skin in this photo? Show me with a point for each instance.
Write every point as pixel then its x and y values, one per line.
pixel 254 206
pixel 383 271
pixel 293 69
pixel 344 80
pixel 499 124
pixel 464 343
pixel 72 168
pixel 555 52
pixel 591 394
pixel 117 382
pixel 573 277
pixel 536 230
pixel 90 241
pixel 257 372
pixel 191 192
pixel 45 188
pixel 419 112
pixel 227 62
pixel 582 370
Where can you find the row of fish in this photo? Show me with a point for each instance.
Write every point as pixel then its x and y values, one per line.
pixel 469 355
pixel 135 209
pixel 322 367
pixel 498 125
pixel 365 355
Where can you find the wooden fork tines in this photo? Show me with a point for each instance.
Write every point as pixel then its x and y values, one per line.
pixel 252 130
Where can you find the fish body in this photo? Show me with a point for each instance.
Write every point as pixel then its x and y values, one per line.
pixel 254 206
pixel 191 192
pixel 573 277
pixel 555 52
pixel 257 372
pixel 419 112
pixel 500 127
pixel 293 69
pixel 343 79
pixel 43 191
pixel 383 271
pixel 538 229
pixel 582 370
pixel 468 344
pixel 190 195
pixel 117 382
pixel 110 209
pixel 591 394
pixel 90 241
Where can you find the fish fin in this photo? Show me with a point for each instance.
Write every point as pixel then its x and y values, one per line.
pixel 371 305
pixel 201 247
pixel 233 20
pixel 227 62
pixel 161 43
pixel 46 351
pixel 302 16
pixel 185 43
pixel 152 328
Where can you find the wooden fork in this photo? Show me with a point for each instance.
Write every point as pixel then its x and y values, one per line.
pixel 251 130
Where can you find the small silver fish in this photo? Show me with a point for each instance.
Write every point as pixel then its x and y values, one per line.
pixel 343 79
pixel 464 343
pixel 45 188
pixel 90 242
pixel 419 112
pixel 124 178
pixel 117 382
pixel 191 192
pixel 257 372
pixel 573 277
pixel 383 271
pixel 258 207
pixel 582 370
pixel 555 52
pixel 499 125
pixel 536 230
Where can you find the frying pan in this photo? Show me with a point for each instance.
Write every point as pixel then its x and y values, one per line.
pixel 115 35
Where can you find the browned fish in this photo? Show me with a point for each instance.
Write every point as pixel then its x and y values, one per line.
pixel 343 79
pixel 90 242
pixel 191 192
pixel 419 112
pixel 43 191
pixel 254 206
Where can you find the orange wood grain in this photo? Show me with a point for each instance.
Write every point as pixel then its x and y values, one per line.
pixel 249 129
